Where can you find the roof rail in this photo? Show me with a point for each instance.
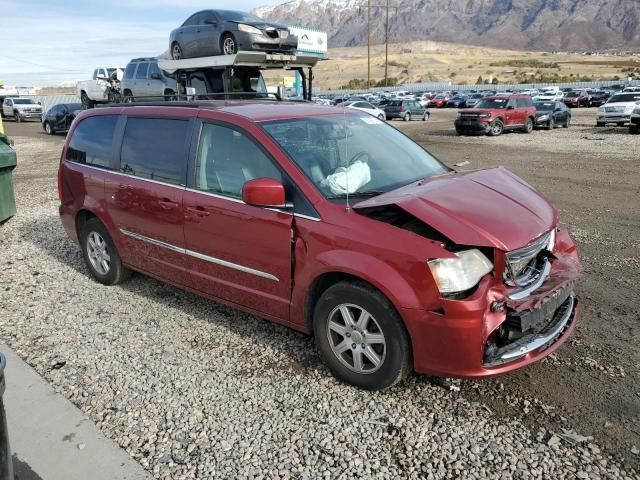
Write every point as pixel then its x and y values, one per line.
pixel 185 98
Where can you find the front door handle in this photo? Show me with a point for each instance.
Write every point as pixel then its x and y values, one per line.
pixel 199 211
pixel 168 204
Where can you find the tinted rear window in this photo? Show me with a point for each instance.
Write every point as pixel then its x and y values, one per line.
pixel 155 148
pixel 625 97
pixel 92 141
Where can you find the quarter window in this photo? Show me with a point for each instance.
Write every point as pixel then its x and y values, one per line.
pixel 227 159
pixel 128 73
pixel 143 68
pixel 92 141
pixel 155 148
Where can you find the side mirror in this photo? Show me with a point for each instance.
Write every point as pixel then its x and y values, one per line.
pixel 264 192
pixel 155 76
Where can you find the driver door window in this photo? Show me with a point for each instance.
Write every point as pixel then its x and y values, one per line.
pixel 228 158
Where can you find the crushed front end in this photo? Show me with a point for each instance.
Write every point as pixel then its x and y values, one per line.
pixel 521 312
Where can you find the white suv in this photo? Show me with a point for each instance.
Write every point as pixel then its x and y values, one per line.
pixel 21 109
pixel 618 109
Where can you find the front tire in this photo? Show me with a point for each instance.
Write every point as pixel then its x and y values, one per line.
pixel 528 126
pixel 600 124
pixel 228 44
pixel 407 117
pixel 49 129
pixel 361 337
pixel 497 128
pixel 100 254
pixel 17 117
pixel 552 124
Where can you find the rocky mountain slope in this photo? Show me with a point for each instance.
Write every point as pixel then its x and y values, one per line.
pixel 514 24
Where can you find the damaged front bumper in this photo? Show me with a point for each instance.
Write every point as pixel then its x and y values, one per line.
pixel 499 329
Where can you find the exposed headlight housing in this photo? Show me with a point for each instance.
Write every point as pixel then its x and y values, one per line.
pixel 462 273
pixel 637 110
pixel 543 117
pixel 629 108
pixel 484 115
pixel 249 29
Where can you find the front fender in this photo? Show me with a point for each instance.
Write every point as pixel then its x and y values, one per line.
pixel 374 271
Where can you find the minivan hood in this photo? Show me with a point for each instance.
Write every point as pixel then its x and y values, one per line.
pixel 490 208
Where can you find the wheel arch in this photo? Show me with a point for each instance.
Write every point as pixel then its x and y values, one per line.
pixel 400 295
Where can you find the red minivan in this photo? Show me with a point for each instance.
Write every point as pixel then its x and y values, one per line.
pixel 330 222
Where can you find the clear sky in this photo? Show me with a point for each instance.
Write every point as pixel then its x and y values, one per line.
pixel 51 42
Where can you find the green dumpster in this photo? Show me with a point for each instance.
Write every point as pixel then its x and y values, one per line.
pixel 7 164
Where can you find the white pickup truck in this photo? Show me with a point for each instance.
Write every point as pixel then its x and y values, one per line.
pixel 96 90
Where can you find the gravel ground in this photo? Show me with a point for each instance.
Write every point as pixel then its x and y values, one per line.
pixel 192 389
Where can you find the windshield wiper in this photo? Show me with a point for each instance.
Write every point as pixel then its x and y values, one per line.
pixel 363 194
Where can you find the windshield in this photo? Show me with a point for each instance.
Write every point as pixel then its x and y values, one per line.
pixel 23 101
pixel 441 95
pixel 572 94
pixel 238 16
pixel 545 106
pixel 492 103
pixel 352 153
pixel 625 98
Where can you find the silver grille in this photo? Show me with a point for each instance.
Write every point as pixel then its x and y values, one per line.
pixel 526 264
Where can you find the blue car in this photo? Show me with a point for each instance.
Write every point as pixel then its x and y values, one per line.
pixel 459 101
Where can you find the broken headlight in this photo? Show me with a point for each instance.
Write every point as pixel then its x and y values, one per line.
pixel 459 274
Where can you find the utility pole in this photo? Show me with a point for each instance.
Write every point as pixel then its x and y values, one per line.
pixel 386 40
pixel 386 46
pixel 368 44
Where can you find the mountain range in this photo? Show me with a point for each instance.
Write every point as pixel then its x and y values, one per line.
pixel 545 25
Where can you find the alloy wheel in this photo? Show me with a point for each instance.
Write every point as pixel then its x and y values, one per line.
pixel 229 46
pixel 98 253
pixel 176 52
pixel 356 338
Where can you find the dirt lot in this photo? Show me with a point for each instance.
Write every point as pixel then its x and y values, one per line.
pixel 592 175
pixel 591 386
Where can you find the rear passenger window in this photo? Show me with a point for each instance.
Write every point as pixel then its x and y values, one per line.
pixel 143 68
pixel 92 141
pixel 156 148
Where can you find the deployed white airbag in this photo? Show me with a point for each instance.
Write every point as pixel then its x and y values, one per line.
pixel 348 180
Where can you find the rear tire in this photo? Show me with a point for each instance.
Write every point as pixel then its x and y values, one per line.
pixel 176 51
pixel 380 355
pixel 100 254
pixel 86 102
pixel 425 117
pixel 567 122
